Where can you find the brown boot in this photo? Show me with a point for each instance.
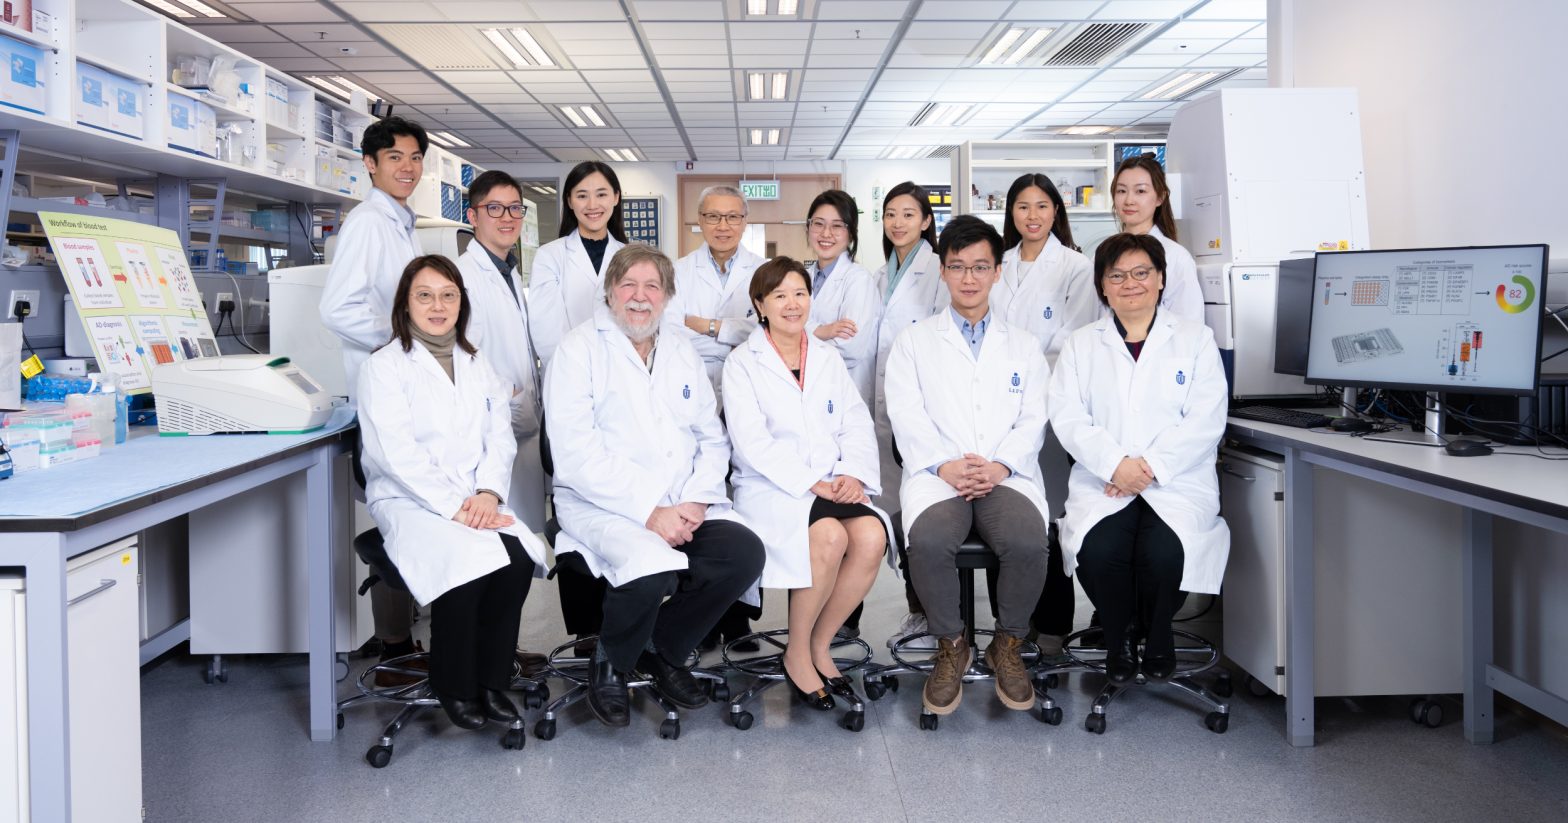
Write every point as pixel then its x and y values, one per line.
pixel 945 685
pixel 1012 679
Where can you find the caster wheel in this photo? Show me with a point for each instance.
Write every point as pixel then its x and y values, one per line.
pixel 670 730
pixel 854 721
pixel 379 756
pixel 340 720
pixel 1431 715
pixel 207 677
pixel 1217 722
pixel 545 730
pixel 891 683
pixel 742 720
pixel 721 692
pixel 1052 681
pixel 533 699
pixel 1415 709
pixel 928 722
pixel 875 689
pixel 1051 716
pixel 1256 688
pixel 342 669
pixel 1223 687
pixel 513 739
pixel 1095 723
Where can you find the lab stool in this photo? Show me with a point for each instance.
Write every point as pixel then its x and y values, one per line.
pixel 415 697
pixel 973 555
pixel 574 671
pixel 1194 656
pixel 767 671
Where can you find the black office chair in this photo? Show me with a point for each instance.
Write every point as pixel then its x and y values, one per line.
pixel 973 554
pixel 1194 656
pixel 414 697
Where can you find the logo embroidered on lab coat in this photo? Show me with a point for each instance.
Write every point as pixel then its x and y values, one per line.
pixel 1048 312
pixel 1181 378
pixel 686 392
pixel 748 312
pixel 1016 381
pixel 830 407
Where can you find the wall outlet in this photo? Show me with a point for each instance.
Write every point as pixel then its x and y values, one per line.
pixel 30 295
pixel 225 297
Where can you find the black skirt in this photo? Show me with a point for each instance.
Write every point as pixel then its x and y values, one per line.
pixel 823 507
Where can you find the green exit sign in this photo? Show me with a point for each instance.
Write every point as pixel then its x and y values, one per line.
pixel 760 189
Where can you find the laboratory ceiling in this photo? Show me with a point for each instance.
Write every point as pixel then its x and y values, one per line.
pixel 670 80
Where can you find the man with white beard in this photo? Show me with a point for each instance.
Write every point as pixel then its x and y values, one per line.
pixel 640 460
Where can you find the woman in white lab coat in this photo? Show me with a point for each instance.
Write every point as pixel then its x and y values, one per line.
pixel 567 280
pixel 845 307
pixel 1138 399
pixel 805 458
pixel 438 450
pixel 1141 198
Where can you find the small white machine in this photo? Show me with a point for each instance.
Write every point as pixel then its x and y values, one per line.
pixel 238 394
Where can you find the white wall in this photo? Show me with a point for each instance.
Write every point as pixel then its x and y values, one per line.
pixel 1462 107
pixel 868 181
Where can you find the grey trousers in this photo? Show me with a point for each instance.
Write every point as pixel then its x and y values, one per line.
pixel 1011 526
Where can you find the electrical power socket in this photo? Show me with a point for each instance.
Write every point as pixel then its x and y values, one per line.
pixel 30 295
pixel 225 297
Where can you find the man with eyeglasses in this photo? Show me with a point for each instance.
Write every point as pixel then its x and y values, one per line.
pixel 966 398
pixel 710 304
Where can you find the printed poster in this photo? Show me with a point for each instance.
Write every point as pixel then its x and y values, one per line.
pixel 133 288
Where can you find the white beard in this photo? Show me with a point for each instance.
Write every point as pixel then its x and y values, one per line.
pixel 637 333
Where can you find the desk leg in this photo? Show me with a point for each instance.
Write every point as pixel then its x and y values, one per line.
pixel 42 558
pixel 1300 593
pixel 319 493
pixel 1478 632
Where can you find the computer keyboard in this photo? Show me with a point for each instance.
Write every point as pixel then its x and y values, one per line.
pixel 1283 417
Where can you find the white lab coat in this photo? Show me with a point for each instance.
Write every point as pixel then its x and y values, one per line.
pixel 625 441
pixel 498 327
pixel 564 289
pixel 1168 407
pixel 430 443
pixel 850 291
pixel 699 291
pixel 785 438
pixel 944 402
pixel 920 293
pixel 1050 298
pixel 1183 295
pixel 376 243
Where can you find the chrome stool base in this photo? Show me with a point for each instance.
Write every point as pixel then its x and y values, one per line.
pixel 574 671
pixel 1043 675
pixel 767 671
pixel 1194 658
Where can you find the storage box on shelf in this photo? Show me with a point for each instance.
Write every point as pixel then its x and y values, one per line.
pixel 1081 170
pixel 110 101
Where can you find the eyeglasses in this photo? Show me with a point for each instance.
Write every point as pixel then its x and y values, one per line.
pixel 828 226
pixel 713 219
pixel 447 297
pixel 516 210
pixel 979 269
pixel 1116 277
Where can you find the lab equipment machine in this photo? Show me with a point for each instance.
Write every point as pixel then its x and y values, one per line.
pixel 250 393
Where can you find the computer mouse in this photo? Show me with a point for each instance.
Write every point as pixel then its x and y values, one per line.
pixel 1352 425
pixel 1467 447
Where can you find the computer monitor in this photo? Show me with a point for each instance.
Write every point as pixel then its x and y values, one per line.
pixel 1434 320
pixel 1292 313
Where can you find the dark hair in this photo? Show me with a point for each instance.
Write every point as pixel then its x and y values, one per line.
pixel 768 277
pixel 403 325
pixel 1111 250
pixel 1011 236
pixel 847 212
pixel 383 134
pixel 922 197
pixel 488 182
pixel 965 231
pixel 578 173
pixel 1164 218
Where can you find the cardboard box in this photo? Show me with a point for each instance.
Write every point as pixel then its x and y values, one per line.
pixel 18 13
pixel 22 82
pixel 109 101
pixel 193 125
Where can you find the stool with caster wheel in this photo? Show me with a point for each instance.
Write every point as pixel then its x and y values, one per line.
pixel 767 671
pixel 414 697
pixel 1194 656
pixel 574 670
pixel 973 555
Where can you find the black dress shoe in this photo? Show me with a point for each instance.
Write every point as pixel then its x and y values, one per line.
pixel 675 683
pixel 819 699
pixel 1121 664
pixel 841 686
pixel 497 706
pixel 607 694
pixel 465 714
pixel 1159 667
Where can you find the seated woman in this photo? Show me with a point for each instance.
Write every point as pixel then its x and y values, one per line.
pixel 805 456
pixel 1138 399
pixel 438 448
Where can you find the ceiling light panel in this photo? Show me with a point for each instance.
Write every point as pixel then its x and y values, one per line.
pixel 169 8
pixel 202 9
pixel 451 138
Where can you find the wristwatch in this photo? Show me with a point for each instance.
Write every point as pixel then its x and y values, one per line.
pixel 713 328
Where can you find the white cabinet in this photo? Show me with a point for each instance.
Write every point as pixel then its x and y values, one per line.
pixel 105 684
pixel 13 701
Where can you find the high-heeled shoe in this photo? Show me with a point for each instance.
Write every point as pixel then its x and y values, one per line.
pixel 841 685
pixel 819 699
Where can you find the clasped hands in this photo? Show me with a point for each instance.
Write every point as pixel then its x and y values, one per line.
pixel 842 489
pixel 1131 477
pixel 676 524
pixel 482 511
pixel 973 476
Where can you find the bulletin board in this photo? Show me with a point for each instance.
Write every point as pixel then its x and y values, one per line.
pixel 641 216
pixel 133 289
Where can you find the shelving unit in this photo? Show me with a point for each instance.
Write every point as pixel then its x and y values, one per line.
pixel 990 167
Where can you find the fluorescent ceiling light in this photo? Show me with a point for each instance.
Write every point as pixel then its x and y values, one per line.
pixel 773 137
pixel 622 155
pixel 763 137
pixel 593 116
pixel 756 137
pixel 572 115
pixel 352 86
pixel 907 152
pixel 788 6
pixel 437 138
pixel 756 6
pixel 941 114
pixel 169 8
pixel 1088 130
pixel 1002 45
pixel 505 46
pixel 202 8
pixel 754 85
pixel 537 52
pixel 1028 46
pixel 330 85
pixel 1179 85
pixel 780 85
pixel 450 139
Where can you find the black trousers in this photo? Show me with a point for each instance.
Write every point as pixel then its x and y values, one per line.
pixel 724 558
pixel 1131 566
pixel 582 598
pixel 473 628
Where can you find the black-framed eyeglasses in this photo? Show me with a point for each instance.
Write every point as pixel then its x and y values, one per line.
pixel 979 269
pixel 710 218
pixel 516 210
